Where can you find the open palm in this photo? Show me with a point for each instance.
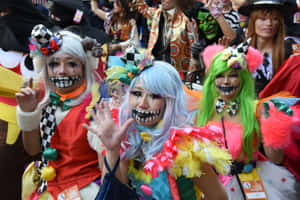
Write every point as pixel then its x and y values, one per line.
pixel 110 134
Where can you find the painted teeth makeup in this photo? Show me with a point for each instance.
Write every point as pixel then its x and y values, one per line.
pixel 144 115
pixel 64 81
pixel 227 89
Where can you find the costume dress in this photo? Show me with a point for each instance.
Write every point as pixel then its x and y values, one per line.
pixel 75 164
pixel 167 175
pixel 277 181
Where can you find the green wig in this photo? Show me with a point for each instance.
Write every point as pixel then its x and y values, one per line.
pixel 245 97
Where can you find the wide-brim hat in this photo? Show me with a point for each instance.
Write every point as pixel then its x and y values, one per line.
pixel 283 5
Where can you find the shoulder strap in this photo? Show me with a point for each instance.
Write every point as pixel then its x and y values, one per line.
pixel 115 167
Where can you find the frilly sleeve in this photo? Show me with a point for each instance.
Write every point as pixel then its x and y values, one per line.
pixel 185 152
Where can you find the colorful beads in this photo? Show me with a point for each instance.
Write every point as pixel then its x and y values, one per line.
pixel 48 173
pixel 50 154
pixel 248 168
pixel 146 137
pixel 146 189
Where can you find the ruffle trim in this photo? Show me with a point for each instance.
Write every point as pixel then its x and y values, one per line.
pixel 186 150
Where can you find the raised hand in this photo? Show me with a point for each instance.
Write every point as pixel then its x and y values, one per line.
pixel 28 98
pixel 110 134
pixel 215 7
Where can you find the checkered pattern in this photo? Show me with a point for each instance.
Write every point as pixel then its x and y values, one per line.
pixel 47 126
pixel 231 107
pixel 243 47
pixel 41 34
pixel 132 56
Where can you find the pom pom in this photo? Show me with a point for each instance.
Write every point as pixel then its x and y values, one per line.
pixel 210 52
pixel 276 128
pixel 255 59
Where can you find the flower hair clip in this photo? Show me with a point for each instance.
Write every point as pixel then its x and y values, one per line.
pixel 43 41
pixel 235 60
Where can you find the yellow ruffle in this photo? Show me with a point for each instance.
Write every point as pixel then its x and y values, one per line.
pixel 139 174
pixel 193 153
pixel 95 97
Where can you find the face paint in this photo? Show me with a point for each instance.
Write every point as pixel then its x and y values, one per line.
pixel 65 72
pixel 147 108
pixel 228 84
pixel 208 25
pixel 64 81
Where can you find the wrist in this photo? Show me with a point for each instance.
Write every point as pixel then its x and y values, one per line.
pixel 28 121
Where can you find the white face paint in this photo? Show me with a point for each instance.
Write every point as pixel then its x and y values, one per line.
pixel 147 108
pixel 228 84
pixel 65 72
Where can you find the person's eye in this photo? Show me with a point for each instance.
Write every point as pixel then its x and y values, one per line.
pixel 136 93
pixel 220 76
pixel 233 75
pixel 155 96
pixel 53 64
pixel 73 64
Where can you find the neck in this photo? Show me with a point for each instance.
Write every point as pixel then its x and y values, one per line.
pixel 264 45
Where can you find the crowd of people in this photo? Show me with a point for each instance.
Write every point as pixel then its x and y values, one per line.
pixel 150 99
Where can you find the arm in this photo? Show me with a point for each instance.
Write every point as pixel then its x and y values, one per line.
pixel 97 11
pixel 215 7
pixel 28 117
pixel 133 38
pixel 144 9
pixel 226 28
pixel 111 136
pixel 210 185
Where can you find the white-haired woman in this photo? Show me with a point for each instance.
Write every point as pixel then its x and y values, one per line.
pixel 54 125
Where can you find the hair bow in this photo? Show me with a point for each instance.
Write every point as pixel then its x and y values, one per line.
pixel 43 41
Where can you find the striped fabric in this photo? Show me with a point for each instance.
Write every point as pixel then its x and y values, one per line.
pixel 233 19
pixel 43 2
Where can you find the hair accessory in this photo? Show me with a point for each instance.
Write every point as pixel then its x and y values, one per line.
pixel 136 60
pixel 235 60
pixel 43 41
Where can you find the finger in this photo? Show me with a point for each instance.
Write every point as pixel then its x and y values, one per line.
pixel 89 128
pixel 30 82
pixel 37 94
pixel 93 114
pixel 125 126
pixel 106 110
pixel 100 114
pixel 28 91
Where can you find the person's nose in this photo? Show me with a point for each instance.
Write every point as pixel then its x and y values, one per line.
pixel 144 104
pixel 61 69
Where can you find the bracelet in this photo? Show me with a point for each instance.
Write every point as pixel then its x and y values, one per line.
pixel 28 121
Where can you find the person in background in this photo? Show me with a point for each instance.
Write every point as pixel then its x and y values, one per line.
pixel 266 30
pixel 120 24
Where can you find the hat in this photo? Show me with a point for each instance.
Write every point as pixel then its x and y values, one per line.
pixel 67 11
pixel 283 5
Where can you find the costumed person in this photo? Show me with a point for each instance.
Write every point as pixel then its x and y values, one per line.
pixel 17 18
pixel 266 29
pixel 53 126
pixel 171 34
pixel 227 107
pixel 120 24
pixel 160 156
